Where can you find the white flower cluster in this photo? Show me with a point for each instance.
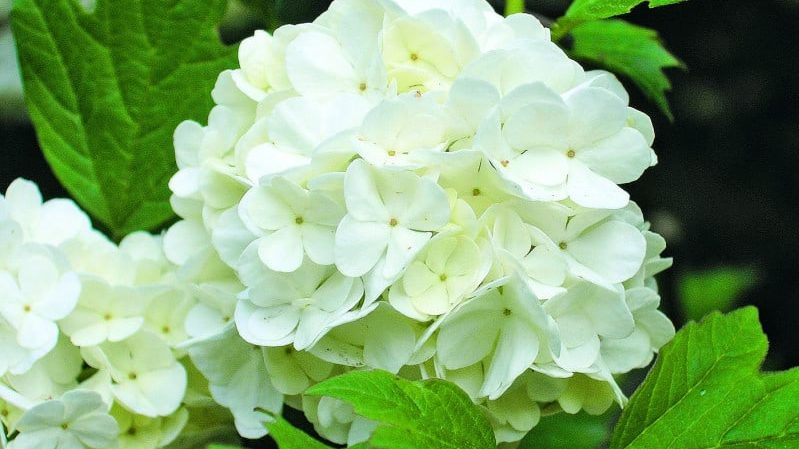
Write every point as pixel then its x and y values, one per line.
pixel 89 333
pixel 425 187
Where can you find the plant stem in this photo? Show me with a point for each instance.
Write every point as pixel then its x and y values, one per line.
pixel 514 6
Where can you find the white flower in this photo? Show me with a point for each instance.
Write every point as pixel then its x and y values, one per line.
pixel 652 330
pixel 293 221
pixel 390 217
pixel 384 339
pixel 142 432
pixel 52 222
pixel 505 323
pixel 297 308
pixel 77 420
pixel 447 271
pixel 238 379
pixel 105 313
pixel 402 132
pixel 336 420
pixel 584 313
pixel 292 371
pixel 36 295
pixel 146 377
pixel 577 146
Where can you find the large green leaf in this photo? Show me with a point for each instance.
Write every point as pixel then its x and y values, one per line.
pixel 432 414
pixel 602 9
pixel 564 431
pixel 628 50
pixel 706 391
pixel 105 91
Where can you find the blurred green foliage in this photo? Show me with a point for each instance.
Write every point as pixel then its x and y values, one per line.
pixel 721 288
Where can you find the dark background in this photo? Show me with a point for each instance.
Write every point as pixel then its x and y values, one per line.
pixel 726 190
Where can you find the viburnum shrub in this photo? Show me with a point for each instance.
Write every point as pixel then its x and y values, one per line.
pixel 421 188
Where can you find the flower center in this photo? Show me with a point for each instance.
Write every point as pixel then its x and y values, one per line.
pixel 504 162
pixel 362 87
pixel 506 312
pixel 414 57
pixel 443 277
pixel 299 220
pixel 393 222
pixel 392 153
pixel 563 245
pixel 571 153
pixel 133 376
pixel 27 308
pixel 476 192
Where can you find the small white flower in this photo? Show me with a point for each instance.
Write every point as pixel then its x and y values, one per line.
pixel 237 379
pixel 146 377
pixel 77 420
pixel 36 296
pixel 293 221
pixel 448 270
pixel 504 323
pixel 390 217
pixel 297 308
pixel 106 313
pixel 577 146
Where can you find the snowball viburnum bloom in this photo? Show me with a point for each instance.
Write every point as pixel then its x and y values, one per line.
pixel 391 215
pixel 294 222
pixel 407 183
pixel 77 420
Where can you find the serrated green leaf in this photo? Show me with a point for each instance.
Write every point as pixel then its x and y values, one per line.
pixel 106 90
pixel 431 414
pixel 705 392
pixel 628 50
pixel 602 9
pixel 290 437
pixel 565 431
pixel 702 292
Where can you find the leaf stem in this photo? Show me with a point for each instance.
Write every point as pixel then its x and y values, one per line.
pixel 514 7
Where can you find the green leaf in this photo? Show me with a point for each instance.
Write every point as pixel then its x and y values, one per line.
pixel 289 437
pixel 701 292
pixel 223 446
pixel 705 391
pixel 106 90
pixel 431 414
pixel 628 50
pixel 565 431
pixel 602 9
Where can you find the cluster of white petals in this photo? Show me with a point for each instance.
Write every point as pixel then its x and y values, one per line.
pixel 424 187
pixel 90 333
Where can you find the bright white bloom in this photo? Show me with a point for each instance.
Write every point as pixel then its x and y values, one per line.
pixel 77 420
pixel 575 146
pixel 237 379
pixel 390 217
pixel 36 294
pixel 146 377
pixel 295 222
pixel 105 313
pixel 297 308
pixel 505 323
